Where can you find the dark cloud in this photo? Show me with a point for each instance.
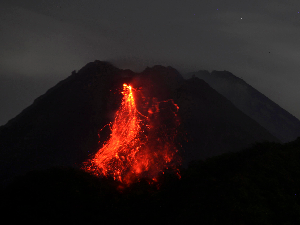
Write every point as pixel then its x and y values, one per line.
pixel 256 40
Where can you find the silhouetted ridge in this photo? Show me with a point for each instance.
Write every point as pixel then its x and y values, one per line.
pixel 61 127
pixel 270 115
pixel 159 81
pixel 259 185
pixel 215 125
pixel 97 67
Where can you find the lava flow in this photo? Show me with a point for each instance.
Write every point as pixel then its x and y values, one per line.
pixel 140 146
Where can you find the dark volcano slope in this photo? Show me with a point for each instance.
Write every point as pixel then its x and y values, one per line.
pixel 213 124
pixel 267 113
pixel 61 127
pixel 210 123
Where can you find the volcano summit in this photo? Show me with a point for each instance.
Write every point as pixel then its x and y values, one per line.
pixel 61 127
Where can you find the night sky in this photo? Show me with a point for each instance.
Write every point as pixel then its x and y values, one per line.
pixel 43 41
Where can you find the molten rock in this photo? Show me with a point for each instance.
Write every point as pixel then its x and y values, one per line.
pixel 139 145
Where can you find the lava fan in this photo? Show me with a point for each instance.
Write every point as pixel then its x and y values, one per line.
pixel 139 146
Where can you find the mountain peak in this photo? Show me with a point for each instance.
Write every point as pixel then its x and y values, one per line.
pixel 61 127
pixel 97 67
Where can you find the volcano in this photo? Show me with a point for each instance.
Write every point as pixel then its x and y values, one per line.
pixel 68 125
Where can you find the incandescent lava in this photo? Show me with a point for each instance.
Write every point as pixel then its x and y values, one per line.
pixel 139 146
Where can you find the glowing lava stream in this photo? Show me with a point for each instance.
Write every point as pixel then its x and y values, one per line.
pixel 135 149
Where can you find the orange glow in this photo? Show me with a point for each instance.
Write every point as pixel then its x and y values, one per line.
pixel 139 146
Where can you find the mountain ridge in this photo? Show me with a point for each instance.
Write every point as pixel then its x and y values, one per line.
pixel 253 103
pixel 61 127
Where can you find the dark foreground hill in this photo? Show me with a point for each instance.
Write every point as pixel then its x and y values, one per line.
pixel 61 127
pixel 259 185
pixel 267 113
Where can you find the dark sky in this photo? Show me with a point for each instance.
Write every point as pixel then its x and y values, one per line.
pixel 42 41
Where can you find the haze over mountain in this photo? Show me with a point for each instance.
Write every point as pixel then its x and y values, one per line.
pixel 17 92
pixel 267 113
pixel 255 40
pixel 61 127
